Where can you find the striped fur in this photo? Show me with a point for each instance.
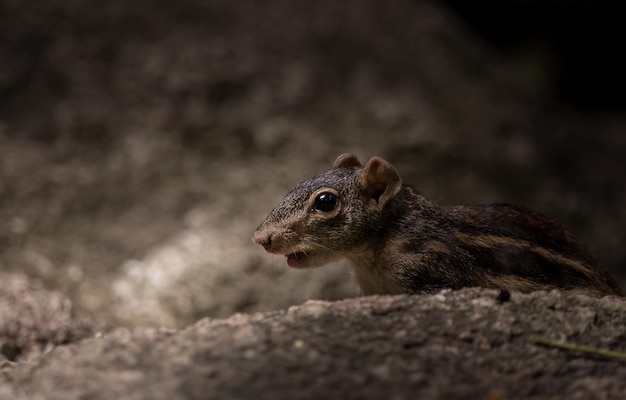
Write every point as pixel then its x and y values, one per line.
pixel 399 242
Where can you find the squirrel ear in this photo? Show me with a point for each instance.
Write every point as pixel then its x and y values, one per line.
pixel 381 180
pixel 346 160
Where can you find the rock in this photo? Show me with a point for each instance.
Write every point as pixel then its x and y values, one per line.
pixel 34 320
pixel 472 343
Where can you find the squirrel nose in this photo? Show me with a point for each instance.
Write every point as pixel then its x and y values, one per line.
pixel 263 238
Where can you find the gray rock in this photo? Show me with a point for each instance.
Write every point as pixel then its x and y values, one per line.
pixel 34 320
pixel 473 343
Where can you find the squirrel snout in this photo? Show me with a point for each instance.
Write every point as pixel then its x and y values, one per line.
pixel 263 238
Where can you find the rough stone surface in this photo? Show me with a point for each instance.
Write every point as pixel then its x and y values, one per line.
pixel 34 320
pixel 473 343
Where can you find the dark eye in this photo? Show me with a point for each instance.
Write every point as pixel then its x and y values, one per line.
pixel 325 202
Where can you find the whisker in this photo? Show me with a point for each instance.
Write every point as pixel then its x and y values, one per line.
pixel 313 243
pixel 302 248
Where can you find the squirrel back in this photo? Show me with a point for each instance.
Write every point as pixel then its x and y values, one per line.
pixel 397 241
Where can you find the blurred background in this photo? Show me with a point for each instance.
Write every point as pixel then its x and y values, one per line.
pixel 142 142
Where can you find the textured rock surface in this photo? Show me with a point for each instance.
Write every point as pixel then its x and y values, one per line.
pixel 453 345
pixel 34 320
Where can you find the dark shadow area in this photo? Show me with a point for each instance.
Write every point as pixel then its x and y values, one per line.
pixel 574 45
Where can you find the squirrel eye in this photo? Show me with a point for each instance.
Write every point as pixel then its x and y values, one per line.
pixel 325 202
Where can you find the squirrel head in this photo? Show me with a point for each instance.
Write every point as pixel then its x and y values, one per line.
pixel 332 215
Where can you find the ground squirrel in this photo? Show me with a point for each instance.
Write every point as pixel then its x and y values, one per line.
pixel 397 241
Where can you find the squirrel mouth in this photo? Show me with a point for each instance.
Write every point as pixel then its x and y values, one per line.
pixel 297 259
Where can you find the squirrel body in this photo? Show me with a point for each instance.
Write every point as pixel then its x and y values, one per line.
pixel 397 241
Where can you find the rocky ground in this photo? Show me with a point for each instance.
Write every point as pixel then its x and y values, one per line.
pixel 141 144
pixel 472 343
